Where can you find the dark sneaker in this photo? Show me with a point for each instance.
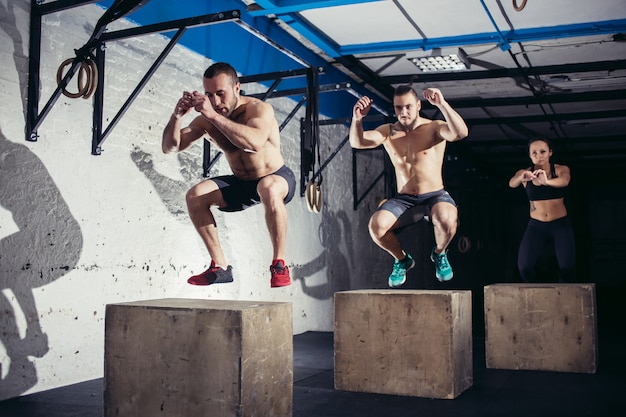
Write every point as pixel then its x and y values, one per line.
pixel 443 270
pixel 280 274
pixel 400 268
pixel 213 275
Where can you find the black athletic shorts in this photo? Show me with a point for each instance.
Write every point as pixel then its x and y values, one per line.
pixel 241 194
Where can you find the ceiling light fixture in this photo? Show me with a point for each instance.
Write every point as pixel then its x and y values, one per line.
pixel 440 63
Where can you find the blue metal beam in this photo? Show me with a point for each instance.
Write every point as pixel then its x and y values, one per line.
pixel 511 36
pixel 504 45
pixel 268 28
pixel 280 7
pixel 272 48
pixel 331 48
pixel 319 39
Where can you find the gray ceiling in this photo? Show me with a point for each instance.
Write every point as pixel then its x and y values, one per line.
pixel 552 68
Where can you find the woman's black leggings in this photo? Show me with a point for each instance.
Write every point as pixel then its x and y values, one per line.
pixel 537 234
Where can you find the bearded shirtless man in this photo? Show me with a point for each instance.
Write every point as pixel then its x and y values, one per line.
pixel 416 147
pixel 246 131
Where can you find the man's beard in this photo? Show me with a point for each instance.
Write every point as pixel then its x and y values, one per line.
pixel 408 125
pixel 231 109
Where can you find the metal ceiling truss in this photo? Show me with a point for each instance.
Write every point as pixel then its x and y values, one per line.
pixel 606 66
pixel 490 38
pixel 560 117
pixel 287 10
pixel 381 83
pixel 550 98
pixel 280 7
pixel 345 56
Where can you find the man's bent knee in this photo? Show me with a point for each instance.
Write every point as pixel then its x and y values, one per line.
pixel 380 223
pixel 272 189
pixel 204 194
pixel 445 214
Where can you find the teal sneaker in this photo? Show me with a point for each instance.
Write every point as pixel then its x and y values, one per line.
pixel 443 270
pixel 400 268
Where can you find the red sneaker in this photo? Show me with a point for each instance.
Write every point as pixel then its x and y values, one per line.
pixel 280 274
pixel 213 275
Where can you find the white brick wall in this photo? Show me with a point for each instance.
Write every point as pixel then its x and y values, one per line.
pixel 79 231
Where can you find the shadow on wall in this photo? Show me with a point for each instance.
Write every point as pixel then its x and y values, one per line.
pixel 46 246
pixel 332 228
pixel 172 192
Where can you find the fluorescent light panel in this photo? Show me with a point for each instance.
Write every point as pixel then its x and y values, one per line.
pixel 440 63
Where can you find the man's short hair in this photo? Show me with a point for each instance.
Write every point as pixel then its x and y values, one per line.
pixel 405 89
pixel 222 68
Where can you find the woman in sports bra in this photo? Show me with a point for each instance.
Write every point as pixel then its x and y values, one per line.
pixel 545 184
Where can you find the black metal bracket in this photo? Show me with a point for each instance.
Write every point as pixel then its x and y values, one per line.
pixel 387 172
pixel 309 147
pixel 37 11
pixel 309 131
pixel 96 45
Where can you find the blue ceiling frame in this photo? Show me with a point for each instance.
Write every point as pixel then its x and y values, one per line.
pixel 512 36
pixel 251 55
pixel 286 11
pixel 290 6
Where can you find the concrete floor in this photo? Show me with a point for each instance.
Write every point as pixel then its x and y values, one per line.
pixel 494 393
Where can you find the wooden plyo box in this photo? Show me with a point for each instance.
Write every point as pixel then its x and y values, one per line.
pixel 404 342
pixel 548 327
pixel 184 357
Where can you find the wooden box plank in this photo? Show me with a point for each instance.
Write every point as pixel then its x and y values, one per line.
pixel 415 343
pixel 184 357
pixel 549 327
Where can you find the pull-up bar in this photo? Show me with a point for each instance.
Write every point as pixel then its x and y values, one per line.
pixel 122 7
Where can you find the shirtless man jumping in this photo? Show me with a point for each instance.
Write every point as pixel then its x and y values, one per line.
pixel 416 147
pixel 246 130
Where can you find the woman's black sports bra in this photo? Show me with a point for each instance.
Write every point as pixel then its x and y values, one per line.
pixel 544 192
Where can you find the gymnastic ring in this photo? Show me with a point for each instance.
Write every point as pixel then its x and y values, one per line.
pixel 309 196
pixel 520 7
pixel 93 82
pixel 464 244
pixel 87 69
pixel 313 197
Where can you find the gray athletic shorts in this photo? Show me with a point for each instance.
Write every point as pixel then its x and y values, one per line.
pixel 403 202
